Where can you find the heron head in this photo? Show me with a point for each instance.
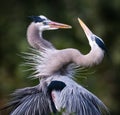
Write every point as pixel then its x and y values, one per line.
pixel 44 23
pixel 94 40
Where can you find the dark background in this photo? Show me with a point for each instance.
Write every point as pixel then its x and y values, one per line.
pixel 101 16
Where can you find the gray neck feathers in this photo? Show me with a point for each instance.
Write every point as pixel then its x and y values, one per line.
pixel 71 55
pixel 60 60
pixel 51 60
pixel 34 37
pixel 94 57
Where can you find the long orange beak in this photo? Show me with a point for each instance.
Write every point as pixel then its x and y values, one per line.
pixel 59 25
pixel 85 28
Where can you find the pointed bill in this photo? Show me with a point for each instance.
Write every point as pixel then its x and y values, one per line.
pixel 59 25
pixel 85 28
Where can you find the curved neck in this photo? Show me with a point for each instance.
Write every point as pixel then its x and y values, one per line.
pixel 62 58
pixel 94 57
pixel 71 55
pixel 35 39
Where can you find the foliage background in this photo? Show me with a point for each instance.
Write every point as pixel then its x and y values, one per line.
pixel 101 16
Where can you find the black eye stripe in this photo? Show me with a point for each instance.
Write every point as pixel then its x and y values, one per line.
pixel 100 44
pixel 36 19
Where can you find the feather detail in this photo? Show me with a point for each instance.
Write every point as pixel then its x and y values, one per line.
pixel 75 99
pixel 29 101
pixel 43 65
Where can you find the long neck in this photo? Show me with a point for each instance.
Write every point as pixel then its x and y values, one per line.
pixel 94 57
pixel 35 39
pixel 61 58
pixel 70 55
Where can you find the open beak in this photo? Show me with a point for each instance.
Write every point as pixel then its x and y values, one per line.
pixel 58 25
pixel 85 28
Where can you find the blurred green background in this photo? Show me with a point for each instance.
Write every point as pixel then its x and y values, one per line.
pixel 101 16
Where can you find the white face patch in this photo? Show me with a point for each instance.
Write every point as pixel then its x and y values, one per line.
pixel 43 17
pixel 42 27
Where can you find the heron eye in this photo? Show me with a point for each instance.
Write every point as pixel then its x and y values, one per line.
pixel 45 23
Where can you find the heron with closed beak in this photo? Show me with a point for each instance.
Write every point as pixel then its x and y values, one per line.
pixel 55 69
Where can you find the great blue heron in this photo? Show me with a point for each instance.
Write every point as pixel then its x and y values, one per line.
pixel 57 91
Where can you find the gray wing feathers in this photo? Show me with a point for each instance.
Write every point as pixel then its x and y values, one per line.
pixel 29 101
pixel 80 102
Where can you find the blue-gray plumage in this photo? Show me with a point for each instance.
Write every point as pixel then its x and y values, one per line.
pixel 74 98
pixel 29 101
pixel 54 86
pixel 55 69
